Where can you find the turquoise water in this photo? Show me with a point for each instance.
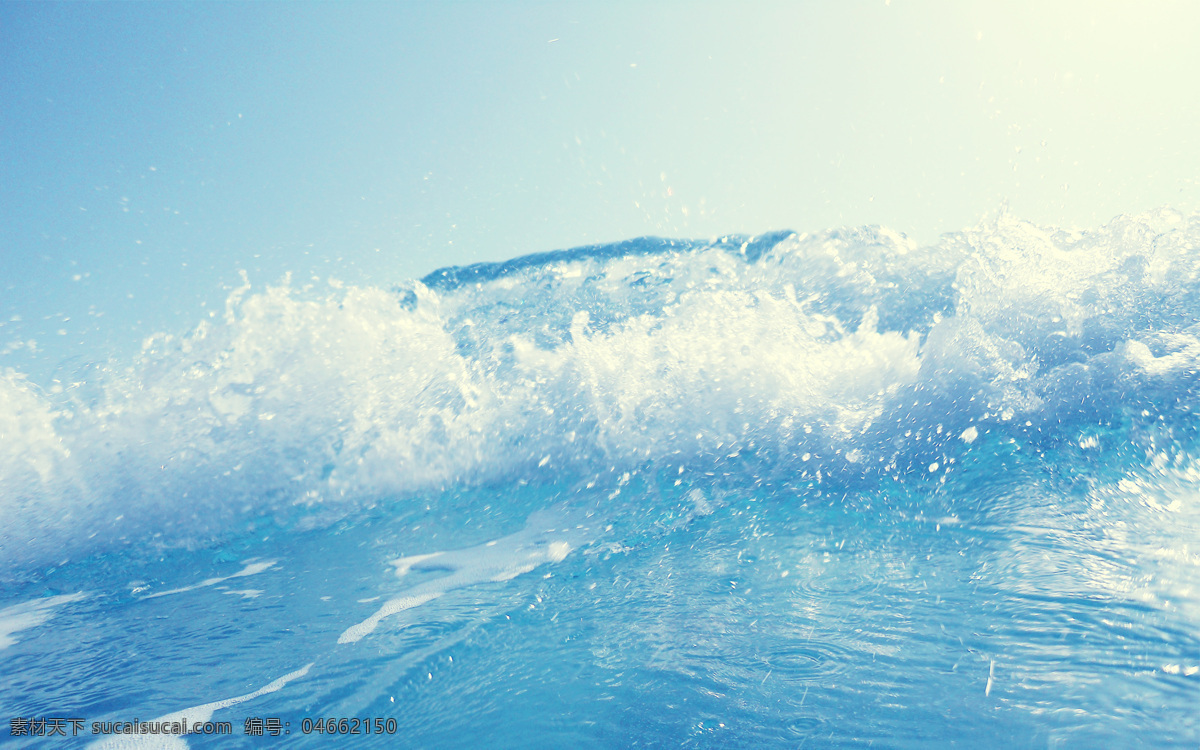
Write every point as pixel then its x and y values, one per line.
pixel 797 490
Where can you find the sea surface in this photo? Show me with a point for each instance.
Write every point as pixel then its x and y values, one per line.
pixel 825 489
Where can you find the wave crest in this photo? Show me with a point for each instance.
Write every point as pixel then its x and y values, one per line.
pixel 850 353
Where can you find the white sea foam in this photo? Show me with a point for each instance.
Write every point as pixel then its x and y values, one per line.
pixel 548 537
pixel 252 568
pixel 28 615
pixel 194 715
pixel 246 593
pixel 854 348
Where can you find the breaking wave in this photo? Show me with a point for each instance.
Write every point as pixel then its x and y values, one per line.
pixel 836 358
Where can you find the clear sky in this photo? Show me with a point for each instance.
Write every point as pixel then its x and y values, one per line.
pixel 150 151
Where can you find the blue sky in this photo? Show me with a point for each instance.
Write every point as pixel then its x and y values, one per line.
pixel 151 151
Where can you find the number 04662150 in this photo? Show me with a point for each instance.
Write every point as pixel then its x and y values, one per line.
pixel 333 725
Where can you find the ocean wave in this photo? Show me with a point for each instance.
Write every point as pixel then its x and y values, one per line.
pixel 844 356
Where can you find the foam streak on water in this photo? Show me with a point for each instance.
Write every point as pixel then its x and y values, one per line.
pixel 30 614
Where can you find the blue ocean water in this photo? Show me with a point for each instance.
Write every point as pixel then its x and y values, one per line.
pixel 826 489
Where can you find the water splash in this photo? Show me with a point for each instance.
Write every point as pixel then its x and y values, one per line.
pixel 831 357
